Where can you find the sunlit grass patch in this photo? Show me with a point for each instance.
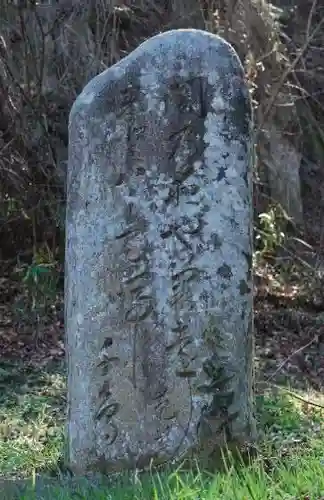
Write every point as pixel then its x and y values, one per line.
pixel 32 413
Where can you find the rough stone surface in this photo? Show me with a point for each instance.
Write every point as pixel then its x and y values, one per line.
pixel 283 165
pixel 158 256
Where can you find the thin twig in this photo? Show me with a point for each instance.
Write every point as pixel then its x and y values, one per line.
pixel 296 396
pixel 315 339
pixel 310 18
pixel 287 72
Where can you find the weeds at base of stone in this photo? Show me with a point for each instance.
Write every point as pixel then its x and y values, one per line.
pixel 290 463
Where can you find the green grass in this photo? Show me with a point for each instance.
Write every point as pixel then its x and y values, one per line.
pixel 32 416
pixel 290 464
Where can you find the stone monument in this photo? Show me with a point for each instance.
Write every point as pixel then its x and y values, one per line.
pixel 158 283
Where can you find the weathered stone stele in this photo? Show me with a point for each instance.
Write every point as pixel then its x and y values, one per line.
pixel 158 257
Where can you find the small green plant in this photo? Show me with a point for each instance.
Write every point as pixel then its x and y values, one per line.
pixel 39 284
pixel 270 232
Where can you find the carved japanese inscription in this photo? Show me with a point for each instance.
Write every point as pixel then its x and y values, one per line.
pixel 158 274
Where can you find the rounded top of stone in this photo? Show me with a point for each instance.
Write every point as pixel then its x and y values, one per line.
pixel 154 54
